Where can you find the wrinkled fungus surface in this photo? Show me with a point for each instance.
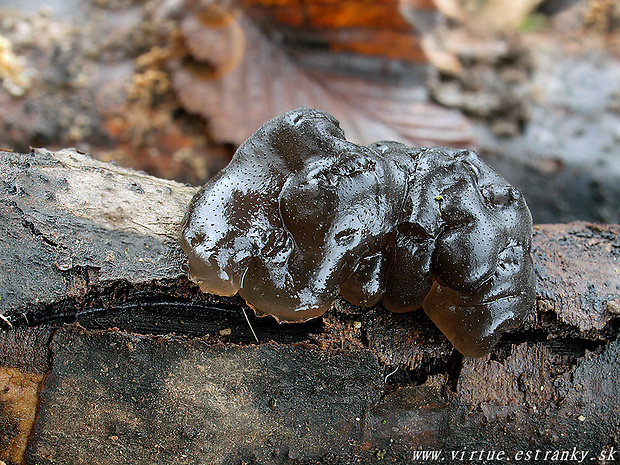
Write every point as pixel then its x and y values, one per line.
pixel 301 215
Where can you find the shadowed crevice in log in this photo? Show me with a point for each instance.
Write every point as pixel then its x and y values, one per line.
pixel 575 347
pixel 448 368
pixel 162 308
pixel 455 365
pixel 549 326
pixel 195 319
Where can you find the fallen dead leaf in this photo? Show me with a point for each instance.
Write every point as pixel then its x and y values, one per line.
pixel 267 81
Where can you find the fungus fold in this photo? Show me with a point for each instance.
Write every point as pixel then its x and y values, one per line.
pixel 301 215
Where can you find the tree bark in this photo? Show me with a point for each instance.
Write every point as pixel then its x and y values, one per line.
pixel 153 370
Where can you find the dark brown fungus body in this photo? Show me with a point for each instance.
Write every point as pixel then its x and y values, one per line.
pixel 301 215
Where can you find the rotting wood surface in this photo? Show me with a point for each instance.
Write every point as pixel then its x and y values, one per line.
pixel 181 379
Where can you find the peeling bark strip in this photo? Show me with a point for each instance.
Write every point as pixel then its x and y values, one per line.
pixel 89 241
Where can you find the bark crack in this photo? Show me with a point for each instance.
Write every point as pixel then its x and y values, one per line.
pixel 27 223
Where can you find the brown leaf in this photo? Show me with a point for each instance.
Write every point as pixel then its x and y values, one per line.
pixel 266 81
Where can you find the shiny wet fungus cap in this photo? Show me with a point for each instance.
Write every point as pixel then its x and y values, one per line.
pixel 301 215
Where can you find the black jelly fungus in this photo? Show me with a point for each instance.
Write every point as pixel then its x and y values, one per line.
pixel 414 227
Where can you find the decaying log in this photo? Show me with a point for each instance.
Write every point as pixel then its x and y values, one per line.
pixel 180 377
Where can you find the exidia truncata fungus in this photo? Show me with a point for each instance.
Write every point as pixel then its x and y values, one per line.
pixel 301 215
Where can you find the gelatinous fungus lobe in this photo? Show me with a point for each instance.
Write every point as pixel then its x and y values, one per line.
pixel 301 215
pixel 483 279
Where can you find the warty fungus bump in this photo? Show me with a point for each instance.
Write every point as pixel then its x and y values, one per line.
pixel 301 215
